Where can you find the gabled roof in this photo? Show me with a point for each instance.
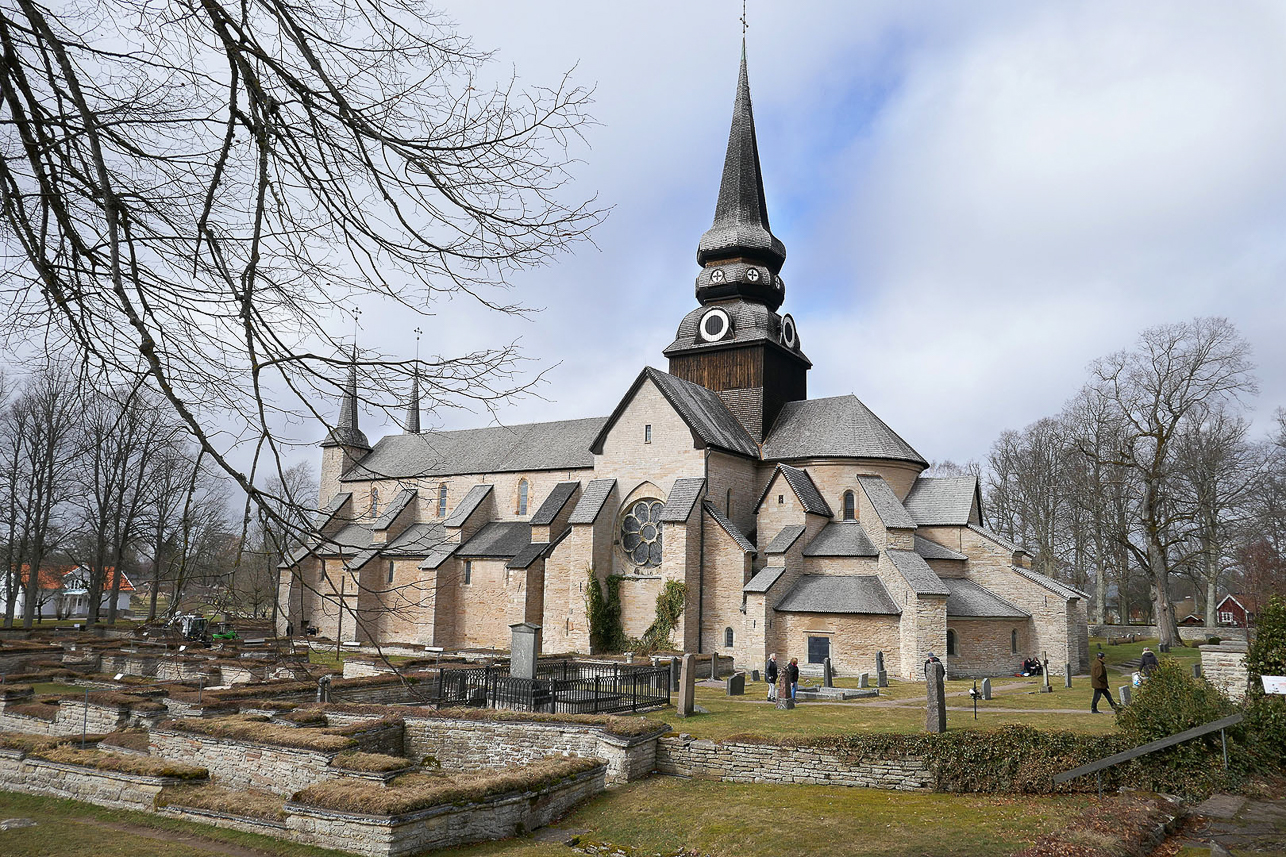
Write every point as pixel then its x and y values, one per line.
pixel 418 539
pixel 1057 587
pixel 917 574
pixel 1248 603
pixel 439 555
pixel 762 581
pixel 562 445
pixel 505 539
pixel 840 427
pixel 942 500
pixel 829 593
pixel 803 487
pixel 999 539
pixel 933 550
pixel 325 515
pixel 784 539
pixel 892 513
pixel 683 498
pixel 525 557
pixel 730 528
pixel 710 421
pixel 554 503
pixel 468 505
pixel 968 600
pixel 394 508
pixel 591 501
pixel 842 538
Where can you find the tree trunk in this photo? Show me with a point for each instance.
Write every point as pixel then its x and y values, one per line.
pixel 1212 585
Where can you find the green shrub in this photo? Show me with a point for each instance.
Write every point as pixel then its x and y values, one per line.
pixel 1169 701
pixel 1214 641
pixel 1266 715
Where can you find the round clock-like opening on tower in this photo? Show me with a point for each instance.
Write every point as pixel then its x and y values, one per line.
pixel 715 325
pixel 753 275
pixel 788 336
pixel 717 275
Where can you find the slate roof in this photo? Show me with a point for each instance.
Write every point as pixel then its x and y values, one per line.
pixel 528 555
pixel 505 539
pixel 1057 587
pixel 837 427
pixel 751 320
pixel 828 593
pixel 554 503
pixel 562 445
pixel 683 498
pixel 968 600
pixel 702 410
pixel 944 501
pixel 802 484
pixel 933 550
pixel 591 501
pixel 468 505
pixel 842 538
pixel 418 539
pixel 325 515
pixel 394 508
pixel 999 539
pixel 440 554
pixel 892 513
pixel 916 572
pixel 730 528
pixel 783 540
pixel 763 580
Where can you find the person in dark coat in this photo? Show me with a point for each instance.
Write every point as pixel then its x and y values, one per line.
pixel 1148 663
pixel 1098 681
pixel 792 676
pixel 770 675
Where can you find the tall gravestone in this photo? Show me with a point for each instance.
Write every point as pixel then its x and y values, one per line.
pixel 1067 675
pixel 675 665
pixel 714 665
pixel 687 686
pixel 881 677
pixel 986 688
pixel 1044 673
pixel 524 649
pixel 784 702
pixel 936 713
pixel 828 677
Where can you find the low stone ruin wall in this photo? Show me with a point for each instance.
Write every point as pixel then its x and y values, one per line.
pixel 735 762
pixel 1187 633
pixel 102 788
pixel 473 745
pixel 69 718
pixel 1224 666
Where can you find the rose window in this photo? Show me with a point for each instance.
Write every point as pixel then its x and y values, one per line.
pixel 641 533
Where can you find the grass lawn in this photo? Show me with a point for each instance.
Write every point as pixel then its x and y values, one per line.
pixel 66 828
pixel 663 814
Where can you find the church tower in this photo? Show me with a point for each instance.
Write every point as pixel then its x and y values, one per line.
pixel 345 444
pixel 735 343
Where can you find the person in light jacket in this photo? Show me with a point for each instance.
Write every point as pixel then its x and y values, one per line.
pixel 770 675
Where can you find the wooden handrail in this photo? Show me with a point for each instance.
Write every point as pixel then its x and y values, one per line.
pixel 1151 747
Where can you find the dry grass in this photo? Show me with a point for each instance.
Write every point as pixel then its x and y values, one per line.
pixel 129 739
pixel 411 792
pixel 251 804
pixel 15 691
pixel 303 717
pixel 256 730
pixel 370 763
pixel 146 766
pixel 41 710
pixel 619 726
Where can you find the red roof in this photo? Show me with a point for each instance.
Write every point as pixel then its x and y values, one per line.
pixel 51 577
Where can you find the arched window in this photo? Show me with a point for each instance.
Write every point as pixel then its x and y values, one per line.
pixel 953 645
pixel 850 506
pixel 727 637
pixel 442 500
pixel 375 501
pixel 522 496
pixel 1013 642
pixel 641 533
pixel 468 571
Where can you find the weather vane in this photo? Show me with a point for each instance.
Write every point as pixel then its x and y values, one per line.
pixel 744 25
pixel 418 334
pixel 356 311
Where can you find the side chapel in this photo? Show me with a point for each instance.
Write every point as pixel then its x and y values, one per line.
pixel 797 526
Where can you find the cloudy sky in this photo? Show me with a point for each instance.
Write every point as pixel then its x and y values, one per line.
pixel 976 199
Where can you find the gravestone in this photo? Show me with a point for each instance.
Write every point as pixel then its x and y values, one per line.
pixel 687 686
pixel 881 679
pixel 714 665
pixel 1044 674
pixel 784 702
pixel 754 675
pixel 1196 670
pixel 674 675
pixel 524 649
pixel 735 684
pixel 879 662
pixel 935 719
pixel 1125 694
pixel 986 688
pixel 1067 675
pixel 828 678
pixel 323 689
pixel 864 680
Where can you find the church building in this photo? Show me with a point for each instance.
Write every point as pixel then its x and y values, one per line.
pixel 782 523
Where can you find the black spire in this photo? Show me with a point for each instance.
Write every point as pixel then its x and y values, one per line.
pixel 346 432
pixel 741 216
pixel 413 410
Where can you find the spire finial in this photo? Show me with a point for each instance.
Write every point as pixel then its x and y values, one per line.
pixel 346 431
pixel 744 26
pixel 413 409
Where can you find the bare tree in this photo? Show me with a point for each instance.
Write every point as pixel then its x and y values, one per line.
pixel 190 194
pixel 1174 375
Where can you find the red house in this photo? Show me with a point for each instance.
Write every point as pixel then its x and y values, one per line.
pixel 1237 610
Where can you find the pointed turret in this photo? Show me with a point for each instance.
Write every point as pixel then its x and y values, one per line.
pixel 413 409
pixel 740 232
pixel 346 432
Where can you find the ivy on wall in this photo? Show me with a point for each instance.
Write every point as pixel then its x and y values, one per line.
pixel 669 610
pixel 606 633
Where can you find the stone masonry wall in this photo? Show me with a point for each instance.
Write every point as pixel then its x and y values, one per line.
pixel 240 765
pixel 71 718
pixel 736 762
pixel 103 788
pixel 1224 666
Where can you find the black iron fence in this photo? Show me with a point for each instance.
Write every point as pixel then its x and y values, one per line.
pixel 563 687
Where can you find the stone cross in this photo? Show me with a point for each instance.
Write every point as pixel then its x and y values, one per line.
pixel 986 688
pixel 936 712
pixel 1044 674
pixel 687 686
pixel 879 662
pixel 864 680
pixel 784 702
pixel 828 677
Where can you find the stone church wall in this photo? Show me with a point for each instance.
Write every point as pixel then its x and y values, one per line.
pixel 632 460
pixel 854 640
pixel 732 473
pixel 985 647
pixel 727 568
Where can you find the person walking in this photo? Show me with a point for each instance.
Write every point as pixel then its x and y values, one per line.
pixel 1148 663
pixel 1098 681
pixel 770 675
pixel 792 676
